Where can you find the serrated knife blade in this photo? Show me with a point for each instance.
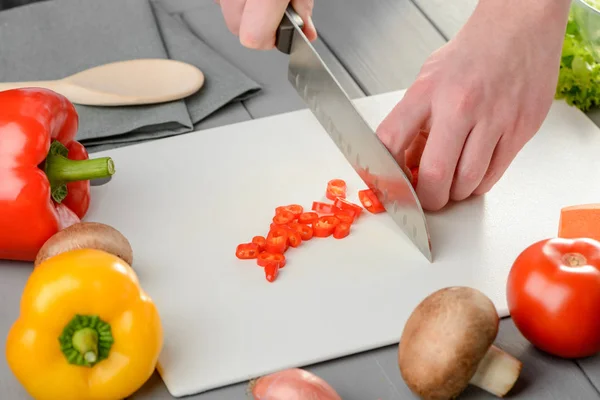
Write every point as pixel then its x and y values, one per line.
pixel 334 110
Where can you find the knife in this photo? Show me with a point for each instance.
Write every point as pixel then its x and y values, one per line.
pixel 353 136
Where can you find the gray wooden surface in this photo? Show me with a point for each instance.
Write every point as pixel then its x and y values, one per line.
pixel 373 47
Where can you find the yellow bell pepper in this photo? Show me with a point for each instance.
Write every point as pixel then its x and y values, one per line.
pixel 86 330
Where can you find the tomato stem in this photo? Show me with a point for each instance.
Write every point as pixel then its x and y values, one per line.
pixel 86 340
pixel 574 260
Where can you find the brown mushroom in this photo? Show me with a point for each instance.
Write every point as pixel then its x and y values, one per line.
pixel 447 344
pixel 87 235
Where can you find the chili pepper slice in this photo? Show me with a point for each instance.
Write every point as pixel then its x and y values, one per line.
pixel 246 251
pixel 284 217
pixel 305 231
pixel 271 272
pixel 295 209
pixel 308 217
pixel 344 204
pixel 322 208
pixel 325 225
pixel 265 258
pixel 277 240
pixel 260 241
pixel 341 230
pixel 294 238
pixel 370 201
pixel 336 188
pixel 415 176
pixel 346 216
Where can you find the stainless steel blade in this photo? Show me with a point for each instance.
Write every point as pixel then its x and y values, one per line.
pixel 332 107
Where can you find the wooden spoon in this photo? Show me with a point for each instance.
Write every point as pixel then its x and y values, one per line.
pixel 122 83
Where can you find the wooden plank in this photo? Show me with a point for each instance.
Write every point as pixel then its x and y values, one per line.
pixel 268 68
pixel 382 43
pixel 447 16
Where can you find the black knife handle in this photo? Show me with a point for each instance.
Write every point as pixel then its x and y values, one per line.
pixel 285 31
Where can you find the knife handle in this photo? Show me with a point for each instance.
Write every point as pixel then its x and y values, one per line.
pixel 285 31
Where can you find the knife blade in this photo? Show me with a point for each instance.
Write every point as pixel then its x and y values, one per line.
pixel 334 110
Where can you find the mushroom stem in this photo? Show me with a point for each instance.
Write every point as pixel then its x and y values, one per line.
pixel 497 372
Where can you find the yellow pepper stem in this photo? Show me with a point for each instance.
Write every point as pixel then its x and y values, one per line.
pixel 86 340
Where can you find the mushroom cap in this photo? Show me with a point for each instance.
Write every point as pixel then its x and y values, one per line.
pixel 444 339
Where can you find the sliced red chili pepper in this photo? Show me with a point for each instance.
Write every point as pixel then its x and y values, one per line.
pixel 325 225
pixel 322 208
pixel 265 258
pixel 346 216
pixel 277 240
pixel 260 241
pixel 415 176
pixel 246 251
pixel 308 217
pixel 275 226
pixel 295 209
pixel 341 230
pixel 294 238
pixel 271 272
pixel 305 231
pixel 370 201
pixel 335 188
pixel 344 204
pixel 284 217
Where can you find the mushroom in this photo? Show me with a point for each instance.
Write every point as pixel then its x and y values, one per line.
pixel 447 344
pixel 86 235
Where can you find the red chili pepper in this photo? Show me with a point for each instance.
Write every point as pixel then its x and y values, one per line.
pixel 325 225
pixel 265 258
pixel 370 201
pixel 283 217
pixel 44 172
pixel 271 272
pixel 336 188
pixel 415 176
pixel 344 204
pixel 341 230
pixel 322 208
pixel 277 240
pixel 308 217
pixel 260 241
pixel 346 216
pixel 295 209
pixel 294 238
pixel 246 251
pixel 305 231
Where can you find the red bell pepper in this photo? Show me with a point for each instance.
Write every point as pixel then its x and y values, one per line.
pixel 44 172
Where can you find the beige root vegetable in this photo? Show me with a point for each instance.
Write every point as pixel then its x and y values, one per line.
pixel 447 344
pixel 87 235
pixel 292 384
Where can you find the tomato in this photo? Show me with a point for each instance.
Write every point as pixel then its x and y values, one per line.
pixel 308 217
pixel 325 225
pixel 341 230
pixel 260 241
pixel 346 205
pixel 277 240
pixel 322 208
pixel 265 258
pixel 284 217
pixel 553 295
pixel 336 188
pixel 370 201
pixel 305 231
pixel 246 251
pixel 295 209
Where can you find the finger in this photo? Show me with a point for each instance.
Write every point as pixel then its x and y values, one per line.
pixel 401 126
pixel 260 22
pixel 474 160
pixel 440 158
pixel 232 12
pixel 504 154
pixel 304 8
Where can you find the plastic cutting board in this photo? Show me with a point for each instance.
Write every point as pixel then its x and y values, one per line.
pixel 186 202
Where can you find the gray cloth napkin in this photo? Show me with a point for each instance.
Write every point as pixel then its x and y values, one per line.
pixel 53 39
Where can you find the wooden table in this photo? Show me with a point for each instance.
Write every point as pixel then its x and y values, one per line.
pixel 374 47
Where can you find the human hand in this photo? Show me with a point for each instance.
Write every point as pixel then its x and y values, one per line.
pixel 479 99
pixel 256 21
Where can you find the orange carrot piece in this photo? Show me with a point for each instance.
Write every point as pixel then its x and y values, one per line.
pixel 580 221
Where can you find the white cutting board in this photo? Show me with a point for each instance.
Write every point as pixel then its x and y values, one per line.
pixel 186 202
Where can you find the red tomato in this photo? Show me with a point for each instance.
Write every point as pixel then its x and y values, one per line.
pixel 553 295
